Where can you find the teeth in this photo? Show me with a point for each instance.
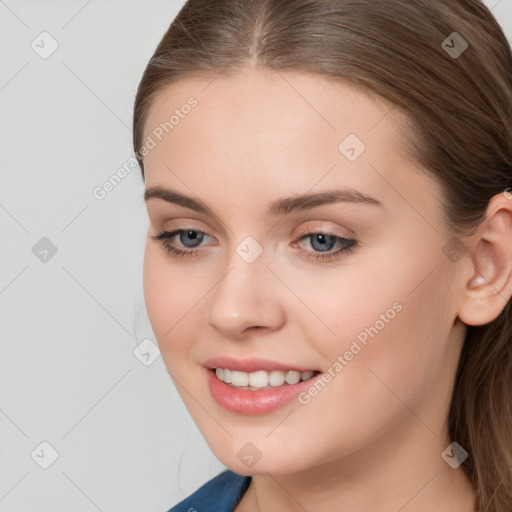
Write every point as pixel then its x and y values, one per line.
pixel 261 378
pixel 276 378
pixel 258 379
pixel 239 379
pixel 292 377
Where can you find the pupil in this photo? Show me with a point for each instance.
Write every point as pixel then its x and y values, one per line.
pixel 321 242
pixel 194 237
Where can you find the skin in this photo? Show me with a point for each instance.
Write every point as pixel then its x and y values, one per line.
pixel 372 438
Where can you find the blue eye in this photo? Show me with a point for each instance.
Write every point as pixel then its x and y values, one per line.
pixel 166 237
pixel 324 242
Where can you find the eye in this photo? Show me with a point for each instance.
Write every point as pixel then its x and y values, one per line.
pixel 186 236
pixel 323 242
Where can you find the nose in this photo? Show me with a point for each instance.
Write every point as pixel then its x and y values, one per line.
pixel 246 299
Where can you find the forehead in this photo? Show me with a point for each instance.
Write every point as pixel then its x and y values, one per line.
pixel 276 100
pixel 289 129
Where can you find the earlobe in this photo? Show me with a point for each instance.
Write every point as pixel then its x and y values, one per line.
pixel 489 288
pixel 477 281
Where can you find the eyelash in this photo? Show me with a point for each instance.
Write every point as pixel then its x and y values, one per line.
pixel 348 245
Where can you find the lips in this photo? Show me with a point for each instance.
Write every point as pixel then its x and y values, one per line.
pixel 254 364
pixel 254 401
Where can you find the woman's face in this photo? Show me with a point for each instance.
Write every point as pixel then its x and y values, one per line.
pixel 360 292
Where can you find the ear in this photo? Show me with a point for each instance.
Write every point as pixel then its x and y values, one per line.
pixel 489 288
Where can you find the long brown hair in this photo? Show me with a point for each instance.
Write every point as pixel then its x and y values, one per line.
pixel 458 100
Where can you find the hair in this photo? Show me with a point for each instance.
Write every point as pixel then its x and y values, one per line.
pixel 460 112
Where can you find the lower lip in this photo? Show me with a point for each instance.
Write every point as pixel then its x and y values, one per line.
pixel 244 401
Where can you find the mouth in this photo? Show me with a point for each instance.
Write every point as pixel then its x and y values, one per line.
pixel 258 392
pixel 262 379
pixel 256 386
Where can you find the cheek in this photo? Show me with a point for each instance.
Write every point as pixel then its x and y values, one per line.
pixel 392 348
pixel 155 290
pixel 167 296
pixel 390 315
pixel 173 295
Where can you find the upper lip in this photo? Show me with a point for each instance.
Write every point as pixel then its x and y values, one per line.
pixel 253 364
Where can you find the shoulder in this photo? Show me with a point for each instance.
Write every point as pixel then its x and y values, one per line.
pixel 220 494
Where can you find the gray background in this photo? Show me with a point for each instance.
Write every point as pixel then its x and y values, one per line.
pixel 79 368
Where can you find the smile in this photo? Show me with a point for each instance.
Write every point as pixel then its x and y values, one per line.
pixel 261 379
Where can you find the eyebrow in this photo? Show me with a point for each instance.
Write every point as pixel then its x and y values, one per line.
pixel 279 207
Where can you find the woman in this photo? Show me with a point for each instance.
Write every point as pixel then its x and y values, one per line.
pixel 328 269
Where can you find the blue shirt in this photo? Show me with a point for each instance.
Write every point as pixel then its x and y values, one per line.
pixel 220 494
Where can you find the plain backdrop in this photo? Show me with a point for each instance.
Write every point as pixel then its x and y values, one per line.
pixel 89 418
